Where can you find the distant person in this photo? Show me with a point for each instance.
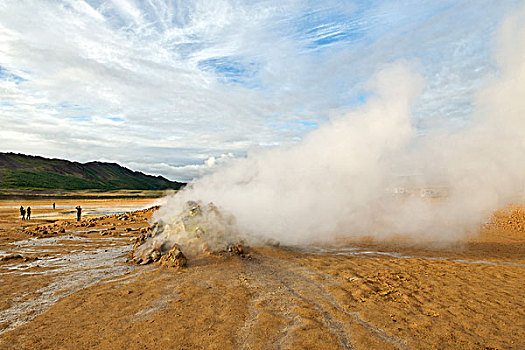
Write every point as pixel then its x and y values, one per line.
pixel 28 216
pixel 22 212
pixel 53 206
pixel 79 212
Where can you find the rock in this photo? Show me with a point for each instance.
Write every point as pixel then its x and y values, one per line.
pixel 197 229
pixel 18 257
pixel 155 255
pixel 12 257
pixel 175 258
pixel 144 262
pixel 236 249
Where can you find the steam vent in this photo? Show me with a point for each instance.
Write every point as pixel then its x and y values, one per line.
pixel 197 229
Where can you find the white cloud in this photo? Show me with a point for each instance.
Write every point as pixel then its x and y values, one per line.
pixel 176 82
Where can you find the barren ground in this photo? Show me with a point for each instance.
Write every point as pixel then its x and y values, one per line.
pixel 66 285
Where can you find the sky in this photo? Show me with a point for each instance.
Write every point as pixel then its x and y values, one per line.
pixel 178 88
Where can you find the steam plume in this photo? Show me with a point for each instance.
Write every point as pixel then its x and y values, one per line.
pixel 344 178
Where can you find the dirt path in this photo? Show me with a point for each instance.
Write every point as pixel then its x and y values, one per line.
pixel 305 314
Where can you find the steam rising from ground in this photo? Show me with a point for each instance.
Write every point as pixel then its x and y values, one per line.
pixel 347 178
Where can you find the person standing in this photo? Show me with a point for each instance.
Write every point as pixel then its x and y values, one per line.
pixel 53 206
pixel 22 212
pixel 79 212
pixel 28 216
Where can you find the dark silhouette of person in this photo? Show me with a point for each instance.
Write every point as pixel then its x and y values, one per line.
pixel 28 216
pixel 79 212
pixel 53 206
pixel 22 212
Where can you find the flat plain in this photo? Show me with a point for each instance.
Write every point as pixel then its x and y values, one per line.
pixel 67 285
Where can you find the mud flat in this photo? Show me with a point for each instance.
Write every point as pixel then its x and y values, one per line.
pixel 67 285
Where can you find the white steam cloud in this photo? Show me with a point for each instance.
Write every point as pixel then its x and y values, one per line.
pixel 347 178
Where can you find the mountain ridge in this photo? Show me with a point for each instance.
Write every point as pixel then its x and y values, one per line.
pixel 19 171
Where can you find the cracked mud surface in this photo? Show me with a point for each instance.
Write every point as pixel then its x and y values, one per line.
pixel 81 294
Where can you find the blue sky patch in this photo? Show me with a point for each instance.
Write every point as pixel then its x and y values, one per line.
pixel 5 74
pixel 307 124
pixel 229 70
pixel 6 104
pixel 116 119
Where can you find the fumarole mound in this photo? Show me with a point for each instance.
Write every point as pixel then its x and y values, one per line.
pixel 196 230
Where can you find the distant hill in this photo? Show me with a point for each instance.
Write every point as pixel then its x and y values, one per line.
pixel 20 171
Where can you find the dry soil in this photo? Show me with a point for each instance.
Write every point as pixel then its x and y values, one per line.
pixel 67 285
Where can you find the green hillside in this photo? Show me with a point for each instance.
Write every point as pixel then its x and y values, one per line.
pixel 19 171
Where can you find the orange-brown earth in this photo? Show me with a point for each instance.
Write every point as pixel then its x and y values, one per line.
pixel 66 285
